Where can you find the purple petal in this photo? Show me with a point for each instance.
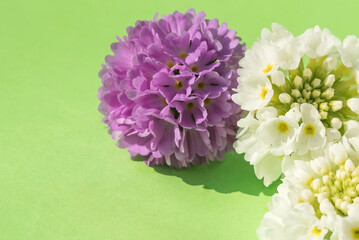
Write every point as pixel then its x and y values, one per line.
pixel 152 101
pixel 210 85
pixel 191 111
pixel 171 86
pixel 165 92
pixel 163 133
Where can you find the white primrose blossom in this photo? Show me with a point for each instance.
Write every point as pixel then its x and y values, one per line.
pixel 300 94
pixel 311 134
pixel 255 91
pixel 318 199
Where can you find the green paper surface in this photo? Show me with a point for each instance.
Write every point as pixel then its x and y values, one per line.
pixel 61 175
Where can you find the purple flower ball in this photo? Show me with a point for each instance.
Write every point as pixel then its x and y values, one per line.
pixel 166 90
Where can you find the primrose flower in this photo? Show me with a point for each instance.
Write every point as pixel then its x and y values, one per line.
pixel 299 94
pixel 318 199
pixel 165 92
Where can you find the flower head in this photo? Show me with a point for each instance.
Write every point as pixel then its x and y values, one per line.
pixel 317 199
pixel 301 91
pixel 166 90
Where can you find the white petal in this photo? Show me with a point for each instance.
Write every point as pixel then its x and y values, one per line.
pixel 357 78
pixel 278 78
pixel 268 132
pixel 349 51
pixel 351 139
pixel 301 221
pixel 309 113
pixel 271 227
pixel 258 58
pixel 337 153
pixel 288 161
pixel 280 35
pixel 294 114
pixel 333 135
pixel 266 113
pixel 245 142
pixel 289 56
pixel 253 92
pixel 351 124
pixel 353 104
pixel 317 43
pixel 318 140
pixel 269 168
pixel 280 205
pixel 302 142
pixel 346 225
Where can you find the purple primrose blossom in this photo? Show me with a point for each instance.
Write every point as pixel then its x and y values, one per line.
pixel 165 92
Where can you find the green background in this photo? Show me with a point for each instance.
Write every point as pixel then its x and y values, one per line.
pixel 61 175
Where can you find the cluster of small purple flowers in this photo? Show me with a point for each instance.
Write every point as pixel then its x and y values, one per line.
pixel 166 91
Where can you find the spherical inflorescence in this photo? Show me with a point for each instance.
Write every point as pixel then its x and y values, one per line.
pixel 299 92
pixel 166 90
pixel 317 199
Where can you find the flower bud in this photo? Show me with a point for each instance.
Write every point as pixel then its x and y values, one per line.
pixel 338 202
pixel 285 98
pixel 330 63
pixel 301 100
pixel 298 82
pixel 344 206
pixel 355 173
pixel 324 106
pixel 316 93
pixel 328 93
pixel 307 195
pixel 295 105
pixel 321 196
pixel 349 166
pixel 336 123
pixel 315 105
pixel 308 87
pixel 296 93
pixel 326 180
pixel 306 94
pixel 317 184
pixel 329 80
pixel 307 74
pixel 323 115
pixel 316 82
pixel 355 180
pixel 336 105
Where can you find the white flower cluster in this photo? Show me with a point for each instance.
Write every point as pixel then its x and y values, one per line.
pixel 318 199
pixel 300 94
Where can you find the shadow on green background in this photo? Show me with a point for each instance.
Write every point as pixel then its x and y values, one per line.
pixel 61 176
pixel 234 174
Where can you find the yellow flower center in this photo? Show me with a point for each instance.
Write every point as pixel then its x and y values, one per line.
pixel 309 129
pixel 201 85
pixel 316 231
pixel 283 127
pixel 194 68
pixel 355 232
pixel 207 101
pixel 339 185
pixel 178 84
pixel 263 93
pixel 190 105
pixel 170 64
pixel 268 68
pixel 183 55
pixel 164 101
